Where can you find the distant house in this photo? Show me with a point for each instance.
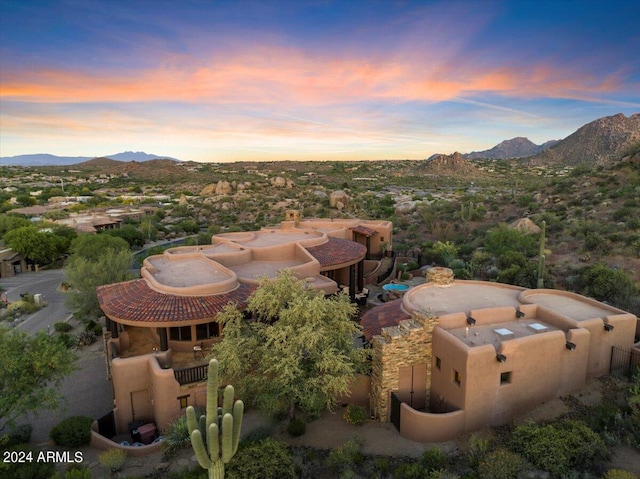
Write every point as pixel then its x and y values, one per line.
pixel 11 263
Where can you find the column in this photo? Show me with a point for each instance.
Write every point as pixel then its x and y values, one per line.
pixel 352 281
pixel 164 344
pixel 114 329
pixel 361 275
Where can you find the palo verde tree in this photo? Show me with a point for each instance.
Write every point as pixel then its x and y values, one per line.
pixel 31 369
pixel 95 260
pixel 297 351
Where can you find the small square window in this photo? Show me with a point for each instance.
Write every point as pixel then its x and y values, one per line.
pixel 505 378
pixel 456 377
pixel 438 362
pixel 184 401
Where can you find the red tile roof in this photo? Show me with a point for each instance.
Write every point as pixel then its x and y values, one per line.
pixel 388 314
pixel 337 251
pixel 136 301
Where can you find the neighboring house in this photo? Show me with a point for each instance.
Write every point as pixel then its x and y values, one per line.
pixel 455 356
pixel 91 223
pixel 11 263
pixel 159 325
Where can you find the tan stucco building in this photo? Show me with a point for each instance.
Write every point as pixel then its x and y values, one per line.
pixel 455 356
pixel 159 325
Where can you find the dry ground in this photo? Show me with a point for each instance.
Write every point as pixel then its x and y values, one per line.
pixel 382 439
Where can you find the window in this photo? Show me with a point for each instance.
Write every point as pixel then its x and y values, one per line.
pixel 456 377
pixel 438 363
pixel 180 334
pixel 505 378
pixel 207 330
pixel 184 401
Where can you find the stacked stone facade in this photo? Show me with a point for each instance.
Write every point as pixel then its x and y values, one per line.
pixel 407 344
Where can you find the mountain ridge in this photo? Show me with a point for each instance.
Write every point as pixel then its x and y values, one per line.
pixel 46 159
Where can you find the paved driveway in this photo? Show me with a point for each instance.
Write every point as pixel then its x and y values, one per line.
pixel 46 283
pixel 87 390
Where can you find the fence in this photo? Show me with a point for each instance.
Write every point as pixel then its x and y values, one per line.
pixel 395 410
pixel 624 363
pixel 192 375
pixel 389 270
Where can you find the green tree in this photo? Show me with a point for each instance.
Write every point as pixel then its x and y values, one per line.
pixel 35 245
pixel 132 235
pixel 91 247
pixel 92 265
pixel 31 370
pixel 297 352
pixel 11 222
pixel 502 239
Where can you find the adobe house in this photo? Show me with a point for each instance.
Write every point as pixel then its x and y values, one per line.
pixel 11 263
pixel 160 325
pixel 454 356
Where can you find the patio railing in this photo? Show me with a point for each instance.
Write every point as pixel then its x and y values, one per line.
pixel 192 375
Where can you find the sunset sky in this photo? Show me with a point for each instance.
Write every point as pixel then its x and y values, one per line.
pixel 319 80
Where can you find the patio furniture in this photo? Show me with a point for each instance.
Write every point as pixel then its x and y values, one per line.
pixel 198 349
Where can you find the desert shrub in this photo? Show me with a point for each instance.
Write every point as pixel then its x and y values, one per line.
pixel 296 427
pixel 559 447
pixel 85 338
pixel 176 436
pixel 603 283
pixel 66 339
pixel 26 470
pixel 478 449
pixel 501 464
pixel 113 459
pixel 267 459
pixel 619 474
pixel 356 415
pixel 73 431
pixel 18 435
pixel 442 474
pixel 409 470
pixel 347 456
pixel 258 434
pixel 433 459
pixel 511 258
pixel 502 239
pixel 74 472
pixel 382 465
pixel 62 327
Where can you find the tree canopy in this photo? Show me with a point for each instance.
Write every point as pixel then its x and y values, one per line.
pixel 298 351
pixel 31 370
pixel 96 260
pixel 33 244
pixel 91 247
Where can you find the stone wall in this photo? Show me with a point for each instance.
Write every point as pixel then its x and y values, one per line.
pixel 407 344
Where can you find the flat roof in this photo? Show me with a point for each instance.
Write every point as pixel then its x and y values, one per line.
pixel 494 334
pixel 459 296
pixel 257 269
pixel 570 305
pixel 186 272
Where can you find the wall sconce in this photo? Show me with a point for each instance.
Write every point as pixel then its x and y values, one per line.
pixel 608 327
pixel 519 314
pixel 570 346
pixel 470 321
pixel 501 358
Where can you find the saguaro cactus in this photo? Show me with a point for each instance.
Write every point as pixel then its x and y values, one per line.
pixel 215 437
pixel 466 215
pixel 541 256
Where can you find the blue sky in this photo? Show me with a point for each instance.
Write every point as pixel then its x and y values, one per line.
pixel 321 80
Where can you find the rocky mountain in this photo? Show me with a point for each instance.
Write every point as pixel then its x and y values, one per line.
pixel 44 159
pixel 450 165
pixel 600 142
pixel 518 147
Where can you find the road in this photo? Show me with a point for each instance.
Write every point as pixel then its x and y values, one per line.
pixel 46 283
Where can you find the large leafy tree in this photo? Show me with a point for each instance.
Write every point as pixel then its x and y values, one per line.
pixel 35 245
pixel 31 370
pixel 11 222
pixel 297 351
pixel 96 260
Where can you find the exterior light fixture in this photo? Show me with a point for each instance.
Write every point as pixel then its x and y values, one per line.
pixel 570 346
pixel 519 314
pixel 501 358
pixel 608 327
pixel 470 321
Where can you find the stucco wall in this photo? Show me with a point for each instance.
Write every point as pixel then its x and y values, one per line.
pixel 428 427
